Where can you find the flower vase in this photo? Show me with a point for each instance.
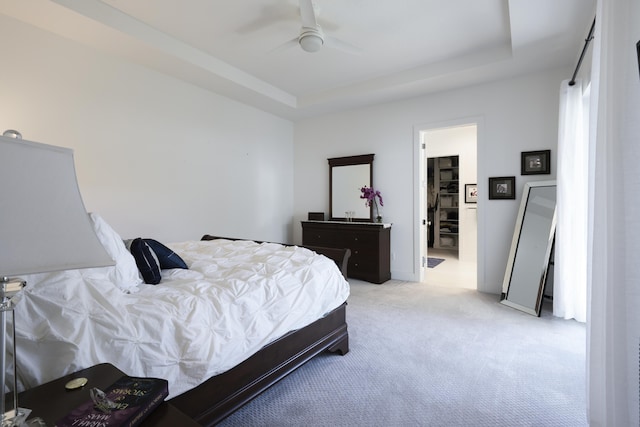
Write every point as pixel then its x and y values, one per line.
pixel 378 213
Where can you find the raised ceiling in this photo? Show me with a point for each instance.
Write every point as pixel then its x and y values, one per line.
pixel 400 48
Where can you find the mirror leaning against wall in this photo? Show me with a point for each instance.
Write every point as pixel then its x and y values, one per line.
pixel 531 247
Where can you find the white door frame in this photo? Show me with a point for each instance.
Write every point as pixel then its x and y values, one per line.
pixel 420 183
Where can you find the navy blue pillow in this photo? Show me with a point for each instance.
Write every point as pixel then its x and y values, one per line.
pixel 146 261
pixel 166 257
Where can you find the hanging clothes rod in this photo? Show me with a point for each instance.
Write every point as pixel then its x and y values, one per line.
pixel 584 50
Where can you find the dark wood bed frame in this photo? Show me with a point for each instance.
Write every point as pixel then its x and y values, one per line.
pixel 219 396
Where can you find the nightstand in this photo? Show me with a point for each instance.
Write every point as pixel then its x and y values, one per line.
pixel 51 401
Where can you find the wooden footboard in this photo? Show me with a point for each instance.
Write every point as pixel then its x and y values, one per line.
pixel 219 396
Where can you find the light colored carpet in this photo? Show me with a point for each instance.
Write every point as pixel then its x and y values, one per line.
pixel 423 355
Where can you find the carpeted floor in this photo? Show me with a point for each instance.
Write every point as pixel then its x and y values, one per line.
pixel 423 355
pixel 434 262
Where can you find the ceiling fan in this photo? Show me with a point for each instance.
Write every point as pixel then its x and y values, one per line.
pixel 312 38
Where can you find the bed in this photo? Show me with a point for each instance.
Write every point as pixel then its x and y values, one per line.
pixel 241 316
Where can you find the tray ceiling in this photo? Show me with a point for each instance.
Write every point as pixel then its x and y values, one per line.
pixel 396 48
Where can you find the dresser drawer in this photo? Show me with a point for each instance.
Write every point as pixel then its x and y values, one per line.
pixel 360 240
pixel 319 237
pixel 363 251
pixel 361 265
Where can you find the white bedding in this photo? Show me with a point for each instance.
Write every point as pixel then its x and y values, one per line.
pixel 235 298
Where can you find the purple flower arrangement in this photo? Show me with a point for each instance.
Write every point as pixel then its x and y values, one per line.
pixel 369 195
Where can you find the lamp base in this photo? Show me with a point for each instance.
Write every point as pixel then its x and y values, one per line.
pixel 15 418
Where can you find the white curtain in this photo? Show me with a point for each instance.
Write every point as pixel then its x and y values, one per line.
pixel 613 324
pixel 570 272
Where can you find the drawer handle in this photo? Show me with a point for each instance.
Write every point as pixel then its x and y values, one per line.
pixel 355 238
pixel 355 252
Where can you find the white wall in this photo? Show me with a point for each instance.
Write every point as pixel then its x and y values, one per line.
pixel 516 115
pixel 160 158
pixel 155 156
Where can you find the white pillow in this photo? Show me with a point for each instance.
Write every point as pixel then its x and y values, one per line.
pixel 125 273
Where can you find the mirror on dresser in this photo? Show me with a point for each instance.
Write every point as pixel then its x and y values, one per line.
pixel 347 175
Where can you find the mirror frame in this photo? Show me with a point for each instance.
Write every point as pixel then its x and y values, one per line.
pixel 513 253
pixel 363 159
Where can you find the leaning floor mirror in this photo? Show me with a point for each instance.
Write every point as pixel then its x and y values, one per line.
pixel 528 263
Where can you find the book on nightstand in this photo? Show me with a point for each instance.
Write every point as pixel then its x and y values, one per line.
pixel 124 403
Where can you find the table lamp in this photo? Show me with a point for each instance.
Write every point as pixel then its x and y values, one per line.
pixel 44 227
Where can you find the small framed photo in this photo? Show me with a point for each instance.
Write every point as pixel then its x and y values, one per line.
pixel 503 187
pixel 471 193
pixel 535 162
pixel 638 51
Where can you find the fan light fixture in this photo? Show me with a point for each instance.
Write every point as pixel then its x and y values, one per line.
pixel 10 133
pixel 311 37
pixel 311 40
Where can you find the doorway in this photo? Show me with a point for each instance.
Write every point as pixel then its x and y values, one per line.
pixel 451 223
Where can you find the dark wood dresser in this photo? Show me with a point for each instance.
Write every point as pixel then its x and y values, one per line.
pixel 370 245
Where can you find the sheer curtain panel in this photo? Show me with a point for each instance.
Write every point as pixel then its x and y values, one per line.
pixel 614 223
pixel 570 272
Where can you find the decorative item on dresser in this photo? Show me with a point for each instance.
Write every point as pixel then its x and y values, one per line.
pixel 373 199
pixel 370 245
pixel 316 216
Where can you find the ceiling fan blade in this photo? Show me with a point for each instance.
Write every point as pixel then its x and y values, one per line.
pixel 333 43
pixel 286 45
pixel 269 15
pixel 308 14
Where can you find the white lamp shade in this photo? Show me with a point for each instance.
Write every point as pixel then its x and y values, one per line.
pixel 44 225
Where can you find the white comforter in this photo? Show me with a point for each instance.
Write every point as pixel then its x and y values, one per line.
pixel 235 298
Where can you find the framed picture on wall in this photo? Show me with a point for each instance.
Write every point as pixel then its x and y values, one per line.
pixel 638 51
pixel 503 187
pixel 471 193
pixel 535 162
